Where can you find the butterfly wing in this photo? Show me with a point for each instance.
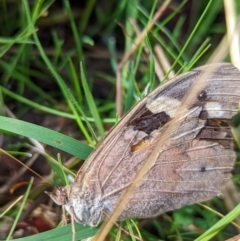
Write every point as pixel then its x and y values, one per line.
pixel 194 163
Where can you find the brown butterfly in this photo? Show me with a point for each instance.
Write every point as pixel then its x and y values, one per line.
pixel 192 166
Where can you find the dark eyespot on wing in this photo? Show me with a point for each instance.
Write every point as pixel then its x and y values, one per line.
pixel 202 95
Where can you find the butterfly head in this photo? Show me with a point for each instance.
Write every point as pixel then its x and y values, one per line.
pixel 59 196
pixel 84 207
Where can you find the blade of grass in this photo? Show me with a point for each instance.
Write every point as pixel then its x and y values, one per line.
pixel 50 137
pixel 75 81
pixel 91 102
pixel 130 94
pixel 151 64
pixel 58 78
pixel 214 230
pixel 40 7
pixel 84 118
pixel 86 15
pixel 16 202
pixel 58 47
pixel 34 104
pixel 76 35
pixel 190 37
pixel 62 234
pixel 20 210
pixel 62 173
pixel 11 70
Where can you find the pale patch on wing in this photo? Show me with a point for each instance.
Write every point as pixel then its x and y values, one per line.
pixel 128 134
pixel 163 103
pixel 214 110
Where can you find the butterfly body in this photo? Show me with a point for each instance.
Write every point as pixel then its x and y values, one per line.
pixel 192 165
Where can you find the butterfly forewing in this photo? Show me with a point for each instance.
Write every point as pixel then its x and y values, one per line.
pixel 193 165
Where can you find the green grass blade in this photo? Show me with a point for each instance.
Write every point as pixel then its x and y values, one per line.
pixel 151 64
pixel 34 104
pixel 190 37
pixel 214 230
pixel 91 103
pixel 23 204
pixel 75 81
pixel 58 78
pixel 62 234
pixel 77 37
pixel 49 137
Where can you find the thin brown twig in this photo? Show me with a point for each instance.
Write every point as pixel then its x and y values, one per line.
pixel 20 172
